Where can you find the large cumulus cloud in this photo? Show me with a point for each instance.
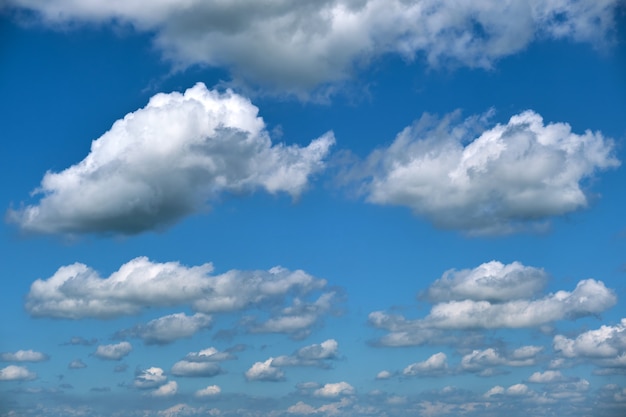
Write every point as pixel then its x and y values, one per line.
pixel 501 306
pixel 164 161
pixel 296 46
pixel 506 178
pixel 77 291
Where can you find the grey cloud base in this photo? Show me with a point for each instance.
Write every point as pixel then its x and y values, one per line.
pixel 164 161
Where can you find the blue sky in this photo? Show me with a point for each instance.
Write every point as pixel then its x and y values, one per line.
pixel 326 208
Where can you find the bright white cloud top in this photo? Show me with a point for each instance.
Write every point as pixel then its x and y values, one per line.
pixel 296 46
pixel 162 162
pixel 503 179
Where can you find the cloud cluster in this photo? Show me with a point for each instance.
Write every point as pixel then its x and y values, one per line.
pixel 605 347
pixel 150 378
pixel 162 162
pixel 317 355
pixel 296 46
pixel 169 328
pixel 113 352
pixel 77 291
pixel 499 306
pixel 24 356
pixel 509 177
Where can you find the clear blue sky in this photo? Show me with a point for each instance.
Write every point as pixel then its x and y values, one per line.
pixel 275 208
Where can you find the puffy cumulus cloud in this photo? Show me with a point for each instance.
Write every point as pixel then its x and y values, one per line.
pixel 295 46
pixel 77 364
pixel 296 319
pixel 149 378
pixel 546 377
pixel 330 409
pixel 590 297
pixel 264 371
pixel 195 369
pixel 491 281
pixel 113 352
pixel 336 389
pixel 384 374
pixel 484 361
pixel 605 347
pixel 210 354
pixel 166 390
pixel 16 373
pixel 435 365
pixel 169 328
pixel 210 391
pixel 164 161
pixel 312 355
pixel 24 356
pixel 510 177
pixel 77 291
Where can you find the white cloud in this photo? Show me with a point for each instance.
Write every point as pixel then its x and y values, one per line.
pixel 497 390
pixel 384 375
pixel 150 378
pixel 483 361
pixel 500 180
pixel 435 365
pixel 605 342
pixel 76 291
pixel 169 328
pixel 518 390
pixel 295 46
pixel 163 162
pixel 491 281
pixel 16 373
pixel 312 355
pixel 264 371
pixel 590 297
pixel 24 356
pixel 334 390
pixel 77 364
pixel 113 352
pixel 546 377
pixel 210 391
pixel 166 390
pixel 195 369
pixel 210 354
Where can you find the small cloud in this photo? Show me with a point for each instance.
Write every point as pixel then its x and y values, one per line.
pixel 24 356
pixel 195 369
pixel 149 378
pixel 113 352
pixel 334 390
pixel 16 373
pixel 168 329
pixel 264 371
pixel 166 390
pixel 384 375
pixel 77 364
pixel 210 391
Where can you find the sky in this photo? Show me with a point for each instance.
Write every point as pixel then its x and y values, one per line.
pixel 334 207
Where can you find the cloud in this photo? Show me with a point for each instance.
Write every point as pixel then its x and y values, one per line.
pixel 507 178
pixel 433 366
pixel 77 291
pixel 332 390
pixel 485 361
pixel 16 373
pixel 264 371
pixel 169 328
pixel 210 391
pixel 149 378
pixel 113 352
pixel 24 356
pixel 195 369
pixel 296 46
pixel 605 347
pixel 590 297
pixel 210 354
pixel 312 355
pixel 77 364
pixel 80 341
pixel 491 281
pixel 546 377
pixel 162 162
pixel 166 390
pixel 384 375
